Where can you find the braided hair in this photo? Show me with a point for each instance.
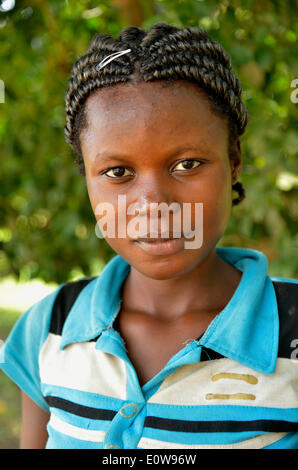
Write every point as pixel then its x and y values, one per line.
pixel 164 53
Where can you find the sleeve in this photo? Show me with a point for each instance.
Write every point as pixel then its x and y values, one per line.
pixel 19 354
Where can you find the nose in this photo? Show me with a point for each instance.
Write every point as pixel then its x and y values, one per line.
pixel 155 207
pixel 152 189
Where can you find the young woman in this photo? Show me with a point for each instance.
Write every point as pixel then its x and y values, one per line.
pixel 172 345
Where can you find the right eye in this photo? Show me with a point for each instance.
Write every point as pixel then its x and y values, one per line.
pixel 117 172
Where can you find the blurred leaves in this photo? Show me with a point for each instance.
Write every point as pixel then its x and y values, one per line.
pixel 47 226
pixel 10 403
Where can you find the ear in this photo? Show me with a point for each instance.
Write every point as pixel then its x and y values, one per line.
pixel 236 160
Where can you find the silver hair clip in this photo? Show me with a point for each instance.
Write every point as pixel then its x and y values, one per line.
pixel 110 58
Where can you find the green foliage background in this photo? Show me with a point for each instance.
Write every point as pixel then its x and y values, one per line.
pixel 46 221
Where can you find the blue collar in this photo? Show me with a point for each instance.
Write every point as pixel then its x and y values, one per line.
pixel 246 330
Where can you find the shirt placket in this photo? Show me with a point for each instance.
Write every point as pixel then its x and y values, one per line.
pixel 125 430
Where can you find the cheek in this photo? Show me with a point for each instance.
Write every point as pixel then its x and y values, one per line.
pixel 215 194
pixel 217 206
pixel 98 196
pixel 92 192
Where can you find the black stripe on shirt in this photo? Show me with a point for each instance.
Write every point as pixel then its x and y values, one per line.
pixel 266 425
pixel 80 410
pixel 210 355
pixel 64 301
pixel 287 295
pixel 176 425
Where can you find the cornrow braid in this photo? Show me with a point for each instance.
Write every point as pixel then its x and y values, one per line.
pixel 164 53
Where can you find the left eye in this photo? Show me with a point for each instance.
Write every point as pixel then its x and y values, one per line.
pixel 187 165
pixel 118 172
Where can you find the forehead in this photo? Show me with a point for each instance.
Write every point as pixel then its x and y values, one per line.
pixel 152 110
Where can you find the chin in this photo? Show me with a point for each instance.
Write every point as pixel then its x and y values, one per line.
pixel 165 267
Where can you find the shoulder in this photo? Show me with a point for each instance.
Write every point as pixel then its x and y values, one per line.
pixel 64 300
pixel 286 291
pixel 34 325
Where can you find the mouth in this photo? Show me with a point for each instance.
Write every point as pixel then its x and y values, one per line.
pixel 161 246
pixel 152 238
pixel 156 240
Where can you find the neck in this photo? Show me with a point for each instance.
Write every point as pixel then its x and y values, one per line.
pixel 206 288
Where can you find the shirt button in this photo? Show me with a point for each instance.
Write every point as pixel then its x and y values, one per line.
pixel 129 410
pixel 112 446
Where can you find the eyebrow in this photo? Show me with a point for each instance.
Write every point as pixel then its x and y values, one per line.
pixel 105 156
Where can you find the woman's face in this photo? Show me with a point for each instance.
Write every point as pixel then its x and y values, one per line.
pixel 154 144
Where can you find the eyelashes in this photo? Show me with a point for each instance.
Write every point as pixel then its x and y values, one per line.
pixel 116 169
pixel 189 161
pixel 120 171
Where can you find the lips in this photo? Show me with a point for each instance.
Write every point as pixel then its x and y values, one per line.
pixel 160 246
pixel 157 240
pixel 159 237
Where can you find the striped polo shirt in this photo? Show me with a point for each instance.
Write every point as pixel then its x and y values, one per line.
pixel 234 387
